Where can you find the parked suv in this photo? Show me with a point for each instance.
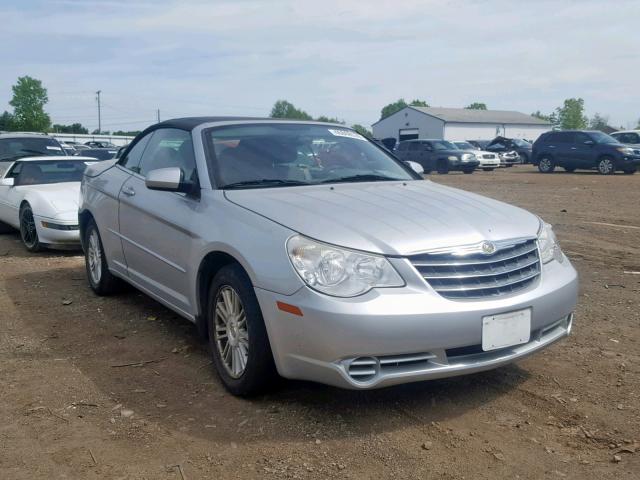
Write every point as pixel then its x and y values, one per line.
pixel 438 155
pixel 303 248
pixel 17 145
pixel 583 149
pixel 629 137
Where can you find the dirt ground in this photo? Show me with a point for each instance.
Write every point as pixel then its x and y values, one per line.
pixel 68 409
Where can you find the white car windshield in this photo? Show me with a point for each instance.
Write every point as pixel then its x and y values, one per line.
pixel 47 171
pixel 276 155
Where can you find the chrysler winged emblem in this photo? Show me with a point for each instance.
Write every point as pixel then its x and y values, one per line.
pixel 488 248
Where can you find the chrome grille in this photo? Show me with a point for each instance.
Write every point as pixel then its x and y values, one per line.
pixel 476 275
pixel 488 155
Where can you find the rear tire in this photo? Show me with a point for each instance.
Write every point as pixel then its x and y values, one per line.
pixel 28 230
pixel 546 165
pixel 100 279
pixel 237 334
pixel 606 166
pixel 488 169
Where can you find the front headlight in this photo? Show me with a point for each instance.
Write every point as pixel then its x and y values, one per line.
pixel 453 158
pixel 548 244
pixel 468 157
pixel 337 271
pixel 625 150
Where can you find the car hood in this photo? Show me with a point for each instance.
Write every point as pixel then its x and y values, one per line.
pixel 55 198
pixel 392 218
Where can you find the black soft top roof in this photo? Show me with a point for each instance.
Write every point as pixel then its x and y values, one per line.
pixel 189 123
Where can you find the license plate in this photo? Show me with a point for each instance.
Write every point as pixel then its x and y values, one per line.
pixel 506 329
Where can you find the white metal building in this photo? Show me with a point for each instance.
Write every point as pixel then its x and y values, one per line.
pixel 118 140
pixel 458 124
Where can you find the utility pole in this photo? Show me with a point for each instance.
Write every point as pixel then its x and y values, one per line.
pixel 99 116
pixel 158 112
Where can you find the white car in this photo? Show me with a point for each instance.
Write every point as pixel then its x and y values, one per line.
pixel 488 160
pixel 39 196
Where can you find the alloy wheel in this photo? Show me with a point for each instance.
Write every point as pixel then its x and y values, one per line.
pixel 545 165
pixel 231 335
pixel 28 228
pixel 606 167
pixel 94 257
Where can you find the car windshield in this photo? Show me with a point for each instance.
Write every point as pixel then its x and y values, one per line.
pixel 600 137
pixel 465 146
pixel 14 148
pixel 280 155
pixel 443 145
pixel 521 143
pixel 48 171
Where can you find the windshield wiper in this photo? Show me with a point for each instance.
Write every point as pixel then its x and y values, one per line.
pixel 265 182
pixel 361 178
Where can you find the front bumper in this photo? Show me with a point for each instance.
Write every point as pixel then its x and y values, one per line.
pixel 463 165
pixel 408 334
pixel 58 237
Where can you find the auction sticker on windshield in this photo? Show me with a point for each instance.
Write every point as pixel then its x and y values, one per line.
pixel 346 133
pixel 506 329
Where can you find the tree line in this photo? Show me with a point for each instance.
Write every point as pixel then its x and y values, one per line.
pixel 30 97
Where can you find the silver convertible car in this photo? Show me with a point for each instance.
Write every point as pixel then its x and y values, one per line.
pixel 304 249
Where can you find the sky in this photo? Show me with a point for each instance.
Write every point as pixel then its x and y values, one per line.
pixel 339 58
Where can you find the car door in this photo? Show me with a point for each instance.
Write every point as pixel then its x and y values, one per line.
pixel 102 194
pixel 10 198
pixel 580 154
pixel 156 226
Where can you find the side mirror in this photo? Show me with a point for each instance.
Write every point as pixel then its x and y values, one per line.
pixel 415 166
pixel 589 142
pixel 167 180
pixel 7 182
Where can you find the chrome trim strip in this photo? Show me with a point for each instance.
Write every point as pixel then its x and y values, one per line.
pixel 487 286
pixel 150 252
pixel 491 259
pixel 493 273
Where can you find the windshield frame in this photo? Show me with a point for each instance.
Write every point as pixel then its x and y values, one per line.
pixel 598 136
pixel 212 165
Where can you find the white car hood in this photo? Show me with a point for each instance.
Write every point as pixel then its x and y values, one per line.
pixel 393 218
pixel 53 199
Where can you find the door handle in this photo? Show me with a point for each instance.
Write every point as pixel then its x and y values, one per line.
pixel 128 191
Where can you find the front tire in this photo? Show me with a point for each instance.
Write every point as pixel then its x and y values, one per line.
pixel 237 334
pixel 546 165
pixel 488 169
pixel 630 171
pixel 101 281
pixel 28 231
pixel 468 171
pixel 606 166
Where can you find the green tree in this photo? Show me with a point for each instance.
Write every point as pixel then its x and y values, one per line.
pixel 362 130
pixel 476 106
pixel 571 115
pixel 599 122
pixel 323 118
pixel 6 121
pixel 284 109
pixel 29 99
pixel 399 105
pixel 73 128
pixel 541 116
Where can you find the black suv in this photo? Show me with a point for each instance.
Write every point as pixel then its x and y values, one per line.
pixel 503 144
pixel 438 155
pixel 580 149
